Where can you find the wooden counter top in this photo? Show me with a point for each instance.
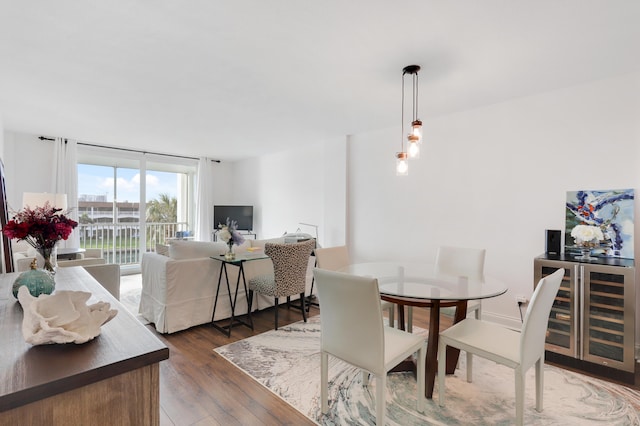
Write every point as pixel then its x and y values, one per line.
pixel 33 373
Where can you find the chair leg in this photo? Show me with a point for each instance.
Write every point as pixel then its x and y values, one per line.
pixel 324 382
pixel 442 356
pixel 519 396
pixel 539 382
pixel 365 377
pixel 442 364
pixel 392 315
pixel 304 311
pixel 276 309
pixel 469 367
pixel 381 384
pixel 410 319
pixel 420 377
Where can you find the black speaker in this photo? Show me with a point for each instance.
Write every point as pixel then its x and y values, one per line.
pixel 553 241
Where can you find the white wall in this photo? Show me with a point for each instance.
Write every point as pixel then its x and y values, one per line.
pixel 28 166
pixel 333 231
pixel 494 177
pixel 290 187
pixel 222 184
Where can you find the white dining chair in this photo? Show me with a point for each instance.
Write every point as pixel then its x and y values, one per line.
pixel 336 258
pixel 458 262
pixel 461 262
pixel 518 350
pixel 356 334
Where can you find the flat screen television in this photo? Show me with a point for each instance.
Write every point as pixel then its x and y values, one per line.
pixel 243 215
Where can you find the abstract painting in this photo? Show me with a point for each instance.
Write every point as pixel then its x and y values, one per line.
pixel 611 210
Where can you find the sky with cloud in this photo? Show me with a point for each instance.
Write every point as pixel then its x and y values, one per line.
pixel 98 180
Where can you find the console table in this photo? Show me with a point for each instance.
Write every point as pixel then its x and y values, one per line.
pixel 239 261
pixel 112 379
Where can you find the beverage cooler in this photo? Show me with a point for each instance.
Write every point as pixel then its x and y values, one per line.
pixel 593 315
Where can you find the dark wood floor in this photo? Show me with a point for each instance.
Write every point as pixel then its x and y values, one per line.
pixel 199 387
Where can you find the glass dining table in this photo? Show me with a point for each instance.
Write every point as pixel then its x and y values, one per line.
pixel 417 284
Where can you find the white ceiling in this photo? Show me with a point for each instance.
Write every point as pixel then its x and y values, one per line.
pixel 236 79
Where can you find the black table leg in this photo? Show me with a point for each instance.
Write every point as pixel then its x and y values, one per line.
pixel 232 302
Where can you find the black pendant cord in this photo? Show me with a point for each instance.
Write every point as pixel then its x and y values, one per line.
pixel 415 96
pixel 402 118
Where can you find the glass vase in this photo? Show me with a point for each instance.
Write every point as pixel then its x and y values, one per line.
pixel 585 248
pixel 230 255
pixel 585 253
pixel 47 258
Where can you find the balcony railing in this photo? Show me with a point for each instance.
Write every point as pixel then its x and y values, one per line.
pixel 120 242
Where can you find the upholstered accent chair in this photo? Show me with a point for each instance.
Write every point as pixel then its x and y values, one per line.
pixel 108 275
pixel 289 274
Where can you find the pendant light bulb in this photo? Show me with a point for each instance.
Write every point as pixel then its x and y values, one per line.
pixel 416 129
pixel 402 165
pixel 414 149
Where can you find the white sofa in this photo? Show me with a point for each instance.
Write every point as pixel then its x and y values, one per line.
pixel 178 290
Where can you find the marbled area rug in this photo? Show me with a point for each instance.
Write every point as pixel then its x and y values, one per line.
pixel 287 362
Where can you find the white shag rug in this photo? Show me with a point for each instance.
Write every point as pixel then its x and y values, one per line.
pixel 287 362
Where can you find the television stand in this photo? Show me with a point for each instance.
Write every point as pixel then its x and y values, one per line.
pixel 245 234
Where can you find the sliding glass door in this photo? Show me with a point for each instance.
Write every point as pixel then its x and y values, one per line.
pixel 128 202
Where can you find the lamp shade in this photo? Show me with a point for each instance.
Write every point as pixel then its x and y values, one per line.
pixel 39 199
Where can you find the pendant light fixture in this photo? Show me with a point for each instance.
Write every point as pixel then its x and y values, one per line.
pixel 414 137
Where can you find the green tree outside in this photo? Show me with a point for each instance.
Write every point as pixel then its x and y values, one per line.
pixel 163 210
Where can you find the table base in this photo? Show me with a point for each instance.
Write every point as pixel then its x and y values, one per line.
pixel 226 329
pixel 431 364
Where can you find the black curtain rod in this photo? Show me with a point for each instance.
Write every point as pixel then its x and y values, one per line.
pixel 43 138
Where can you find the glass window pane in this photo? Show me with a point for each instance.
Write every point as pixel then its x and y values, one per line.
pixel 109 200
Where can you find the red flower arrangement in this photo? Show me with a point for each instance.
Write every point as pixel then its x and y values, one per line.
pixel 41 228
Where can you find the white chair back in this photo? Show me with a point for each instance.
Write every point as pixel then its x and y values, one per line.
pixel 536 320
pixel 108 275
pixel 460 261
pixel 351 318
pixel 332 258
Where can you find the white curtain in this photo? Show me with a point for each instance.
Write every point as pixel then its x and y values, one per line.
pixel 65 181
pixel 204 200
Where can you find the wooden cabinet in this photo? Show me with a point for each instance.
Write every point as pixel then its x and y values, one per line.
pixel 593 315
pixel 113 379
